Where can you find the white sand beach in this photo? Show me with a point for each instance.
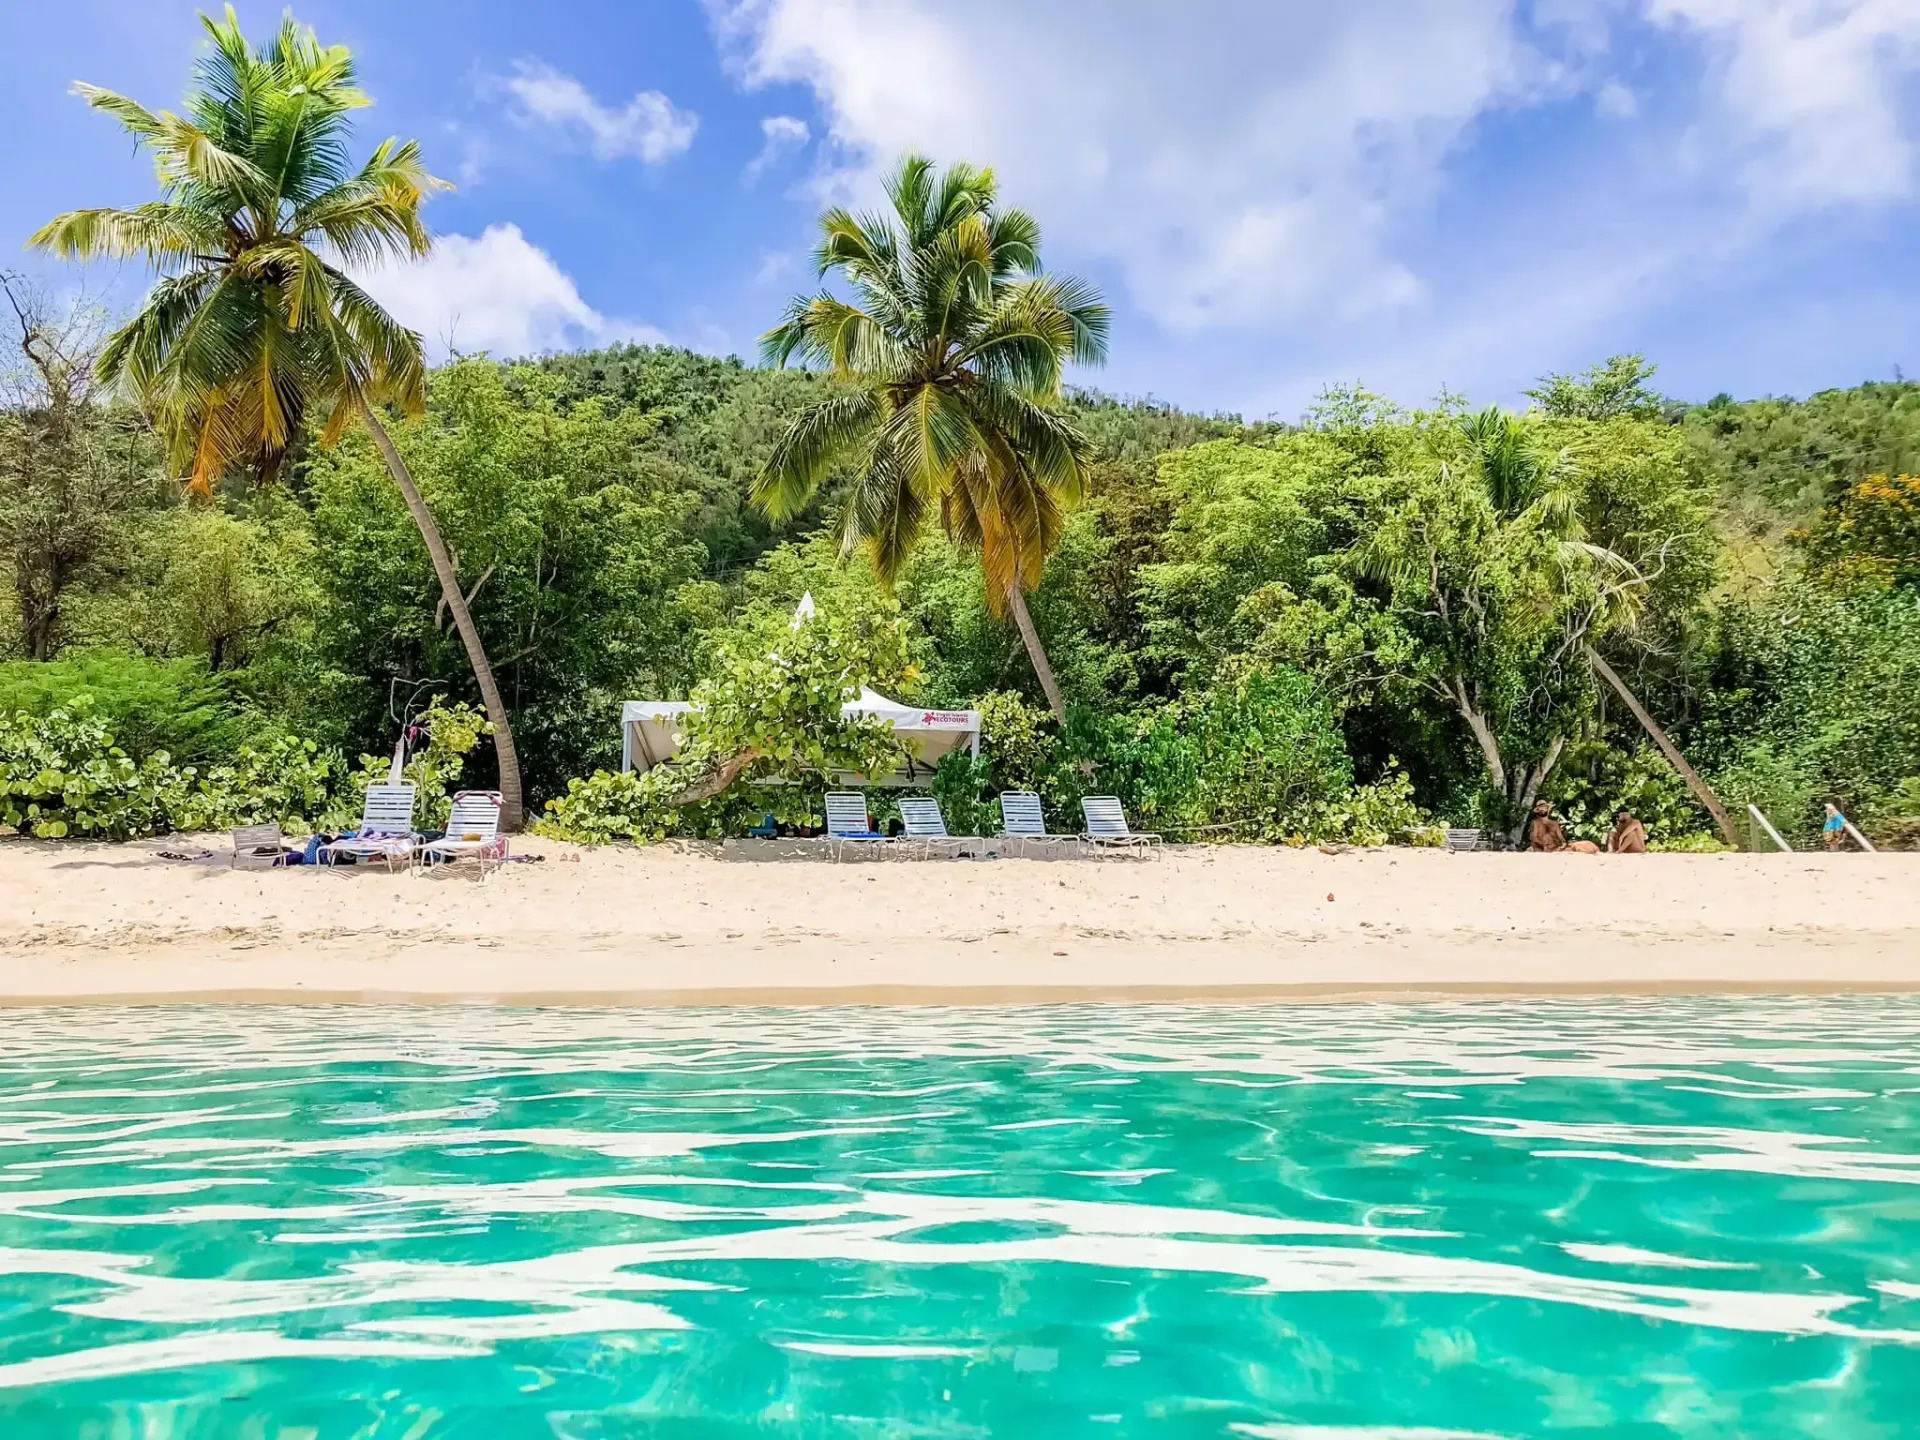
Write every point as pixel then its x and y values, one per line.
pixel 767 923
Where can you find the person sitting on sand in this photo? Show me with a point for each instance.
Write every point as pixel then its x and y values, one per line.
pixel 1629 836
pixel 1833 834
pixel 1544 833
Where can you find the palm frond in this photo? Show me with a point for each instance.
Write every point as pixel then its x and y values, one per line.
pixel 375 215
pixel 1044 441
pixel 384 356
pixel 965 192
pixel 1032 333
pixel 1090 315
pixel 159 233
pixel 818 438
pixel 1016 243
pixel 961 503
pixel 885 511
pixel 932 431
pixel 910 189
pixel 135 353
pixel 951 279
pixel 300 137
pixel 134 117
pixel 827 330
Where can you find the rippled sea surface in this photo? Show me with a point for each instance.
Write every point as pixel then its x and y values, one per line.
pixel 1692 1218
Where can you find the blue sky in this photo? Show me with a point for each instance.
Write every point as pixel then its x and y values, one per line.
pixel 1274 194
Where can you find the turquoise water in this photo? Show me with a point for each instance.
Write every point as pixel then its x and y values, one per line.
pixel 1675 1218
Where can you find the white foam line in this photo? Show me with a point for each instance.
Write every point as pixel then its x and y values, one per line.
pixel 208 1347
pixel 1357 1432
pixel 875 1352
pixel 1631 1255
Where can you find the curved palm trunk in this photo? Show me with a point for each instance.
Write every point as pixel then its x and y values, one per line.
pixel 1017 603
pixel 1701 790
pixel 511 805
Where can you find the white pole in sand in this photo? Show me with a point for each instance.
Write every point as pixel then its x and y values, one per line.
pixel 1767 825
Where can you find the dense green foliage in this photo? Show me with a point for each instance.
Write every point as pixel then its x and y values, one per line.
pixel 1247 622
pixel 173 705
pixel 69 772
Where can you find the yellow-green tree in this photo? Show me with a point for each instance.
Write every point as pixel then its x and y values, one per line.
pixel 952 351
pixel 255 326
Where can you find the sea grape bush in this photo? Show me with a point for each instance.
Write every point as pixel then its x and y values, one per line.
pixel 769 712
pixel 63 775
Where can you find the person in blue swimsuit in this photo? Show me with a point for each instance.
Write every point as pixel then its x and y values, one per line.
pixel 1834 833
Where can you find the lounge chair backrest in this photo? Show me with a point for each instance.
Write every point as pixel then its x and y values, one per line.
pixel 847 813
pixel 257 845
pixel 1463 841
pixel 389 810
pixel 476 815
pixel 923 819
pixel 1020 814
pixel 1104 816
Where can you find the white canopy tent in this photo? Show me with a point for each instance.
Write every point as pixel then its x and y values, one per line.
pixel 650 735
pixel 650 729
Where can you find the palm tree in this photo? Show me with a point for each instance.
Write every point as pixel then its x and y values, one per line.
pixel 254 327
pixel 953 350
pixel 1527 486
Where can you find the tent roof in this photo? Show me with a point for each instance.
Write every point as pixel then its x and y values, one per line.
pixel 868 702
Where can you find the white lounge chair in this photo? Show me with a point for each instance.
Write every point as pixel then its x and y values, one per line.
pixel 386 828
pixel 1461 842
pixel 1022 819
pixel 927 827
pixel 472 829
pixel 1107 827
pixel 258 846
pixel 848 823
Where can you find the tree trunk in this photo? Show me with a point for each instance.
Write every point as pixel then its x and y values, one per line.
pixel 511 804
pixel 1701 791
pixel 39 632
pixel 715 781
pixel 1521 787
pixel 1483 736
pixel 1529 784
pixel 1017 603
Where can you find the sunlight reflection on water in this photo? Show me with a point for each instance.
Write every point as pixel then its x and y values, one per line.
pixel 1461 1219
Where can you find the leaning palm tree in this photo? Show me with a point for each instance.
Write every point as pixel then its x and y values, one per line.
pixel 952 350
pixel 1527 485
pixel 254 326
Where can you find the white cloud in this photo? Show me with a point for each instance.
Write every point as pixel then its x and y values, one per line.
pixel 1808 93
pixel 775 267
pixel 650 128
pixel 499 293
pixel 1280 162
pixel 1616 101
pixel 1249 168
pixel 783 135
